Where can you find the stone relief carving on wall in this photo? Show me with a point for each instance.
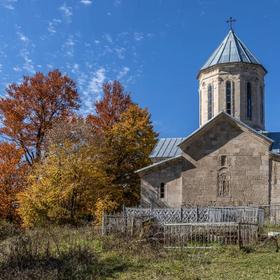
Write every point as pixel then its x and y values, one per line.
pixel 223 178
pixel 223 182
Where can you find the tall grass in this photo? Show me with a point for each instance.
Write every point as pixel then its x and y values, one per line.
pixel 59 253
pixel 79 253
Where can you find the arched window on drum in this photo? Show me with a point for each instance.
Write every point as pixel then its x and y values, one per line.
pixel 230 97
pixel 210 102
pixel 249 101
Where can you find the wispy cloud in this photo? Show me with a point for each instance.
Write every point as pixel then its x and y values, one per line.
pixel 95 83
pixel 67 11
pixel 123 72
pixel 138 36
pixel 90 85
pixel 108 38
pixel 117 3
pixel 22 37
pixel 28 63
pixel 120 52
pixel 86 2
pixel 8 4
pixel 53 24
pixel 68 46
pixel 16 68
pixel 76 68
pixel 24 52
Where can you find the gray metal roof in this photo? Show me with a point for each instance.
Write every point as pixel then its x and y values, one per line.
pixel 275 136
pixel 232 49
pixel 159 163
pixel 167 148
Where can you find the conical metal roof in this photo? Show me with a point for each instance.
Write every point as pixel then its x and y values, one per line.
pixel 232 49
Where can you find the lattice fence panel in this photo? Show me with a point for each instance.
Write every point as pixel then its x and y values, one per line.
pixel 200 214
pixel 203 215
pixel 189 215
pixel 166 215
pixel 138 212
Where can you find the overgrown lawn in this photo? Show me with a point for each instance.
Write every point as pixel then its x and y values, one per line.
pixel 79 253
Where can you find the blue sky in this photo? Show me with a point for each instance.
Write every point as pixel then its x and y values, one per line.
pixel 154 47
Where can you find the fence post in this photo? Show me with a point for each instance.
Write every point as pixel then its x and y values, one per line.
pixel 181 214
pixel 132 226
pixel 103 226
pixel 197 214
pixel 125 220
pixel 239 236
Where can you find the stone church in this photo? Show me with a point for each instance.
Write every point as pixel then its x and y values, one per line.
pixel 230 160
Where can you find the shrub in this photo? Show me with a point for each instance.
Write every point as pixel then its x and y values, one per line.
pixel 105 205
pixel 8 229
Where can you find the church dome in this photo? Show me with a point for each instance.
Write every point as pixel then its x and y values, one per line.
pixel 231 50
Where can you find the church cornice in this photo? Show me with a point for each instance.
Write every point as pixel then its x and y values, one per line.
pixel 236 66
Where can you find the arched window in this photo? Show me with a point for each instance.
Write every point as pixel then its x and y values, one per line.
pixel 162 190
pixel 228 97
pixel 223 160
pixel 249 101
pixel 262 105
pixel 210 102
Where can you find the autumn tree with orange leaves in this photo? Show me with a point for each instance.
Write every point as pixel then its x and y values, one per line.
pixel 108 110
pixel 90 166
pixel 31 108
pixel 27 112
pixel 128 139
pixel 12 179
pixel 76 168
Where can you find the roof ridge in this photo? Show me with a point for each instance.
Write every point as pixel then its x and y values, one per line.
pixel 216 52
pixel 246 49
pixel 235 38
pixel 227 38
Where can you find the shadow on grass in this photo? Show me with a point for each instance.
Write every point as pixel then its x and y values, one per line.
pixel 32 257
pixel 81 264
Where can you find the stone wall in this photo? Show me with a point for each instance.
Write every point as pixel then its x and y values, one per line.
pixel 275 180
pixel 168 173
pixel 223 164
pixel 245 171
